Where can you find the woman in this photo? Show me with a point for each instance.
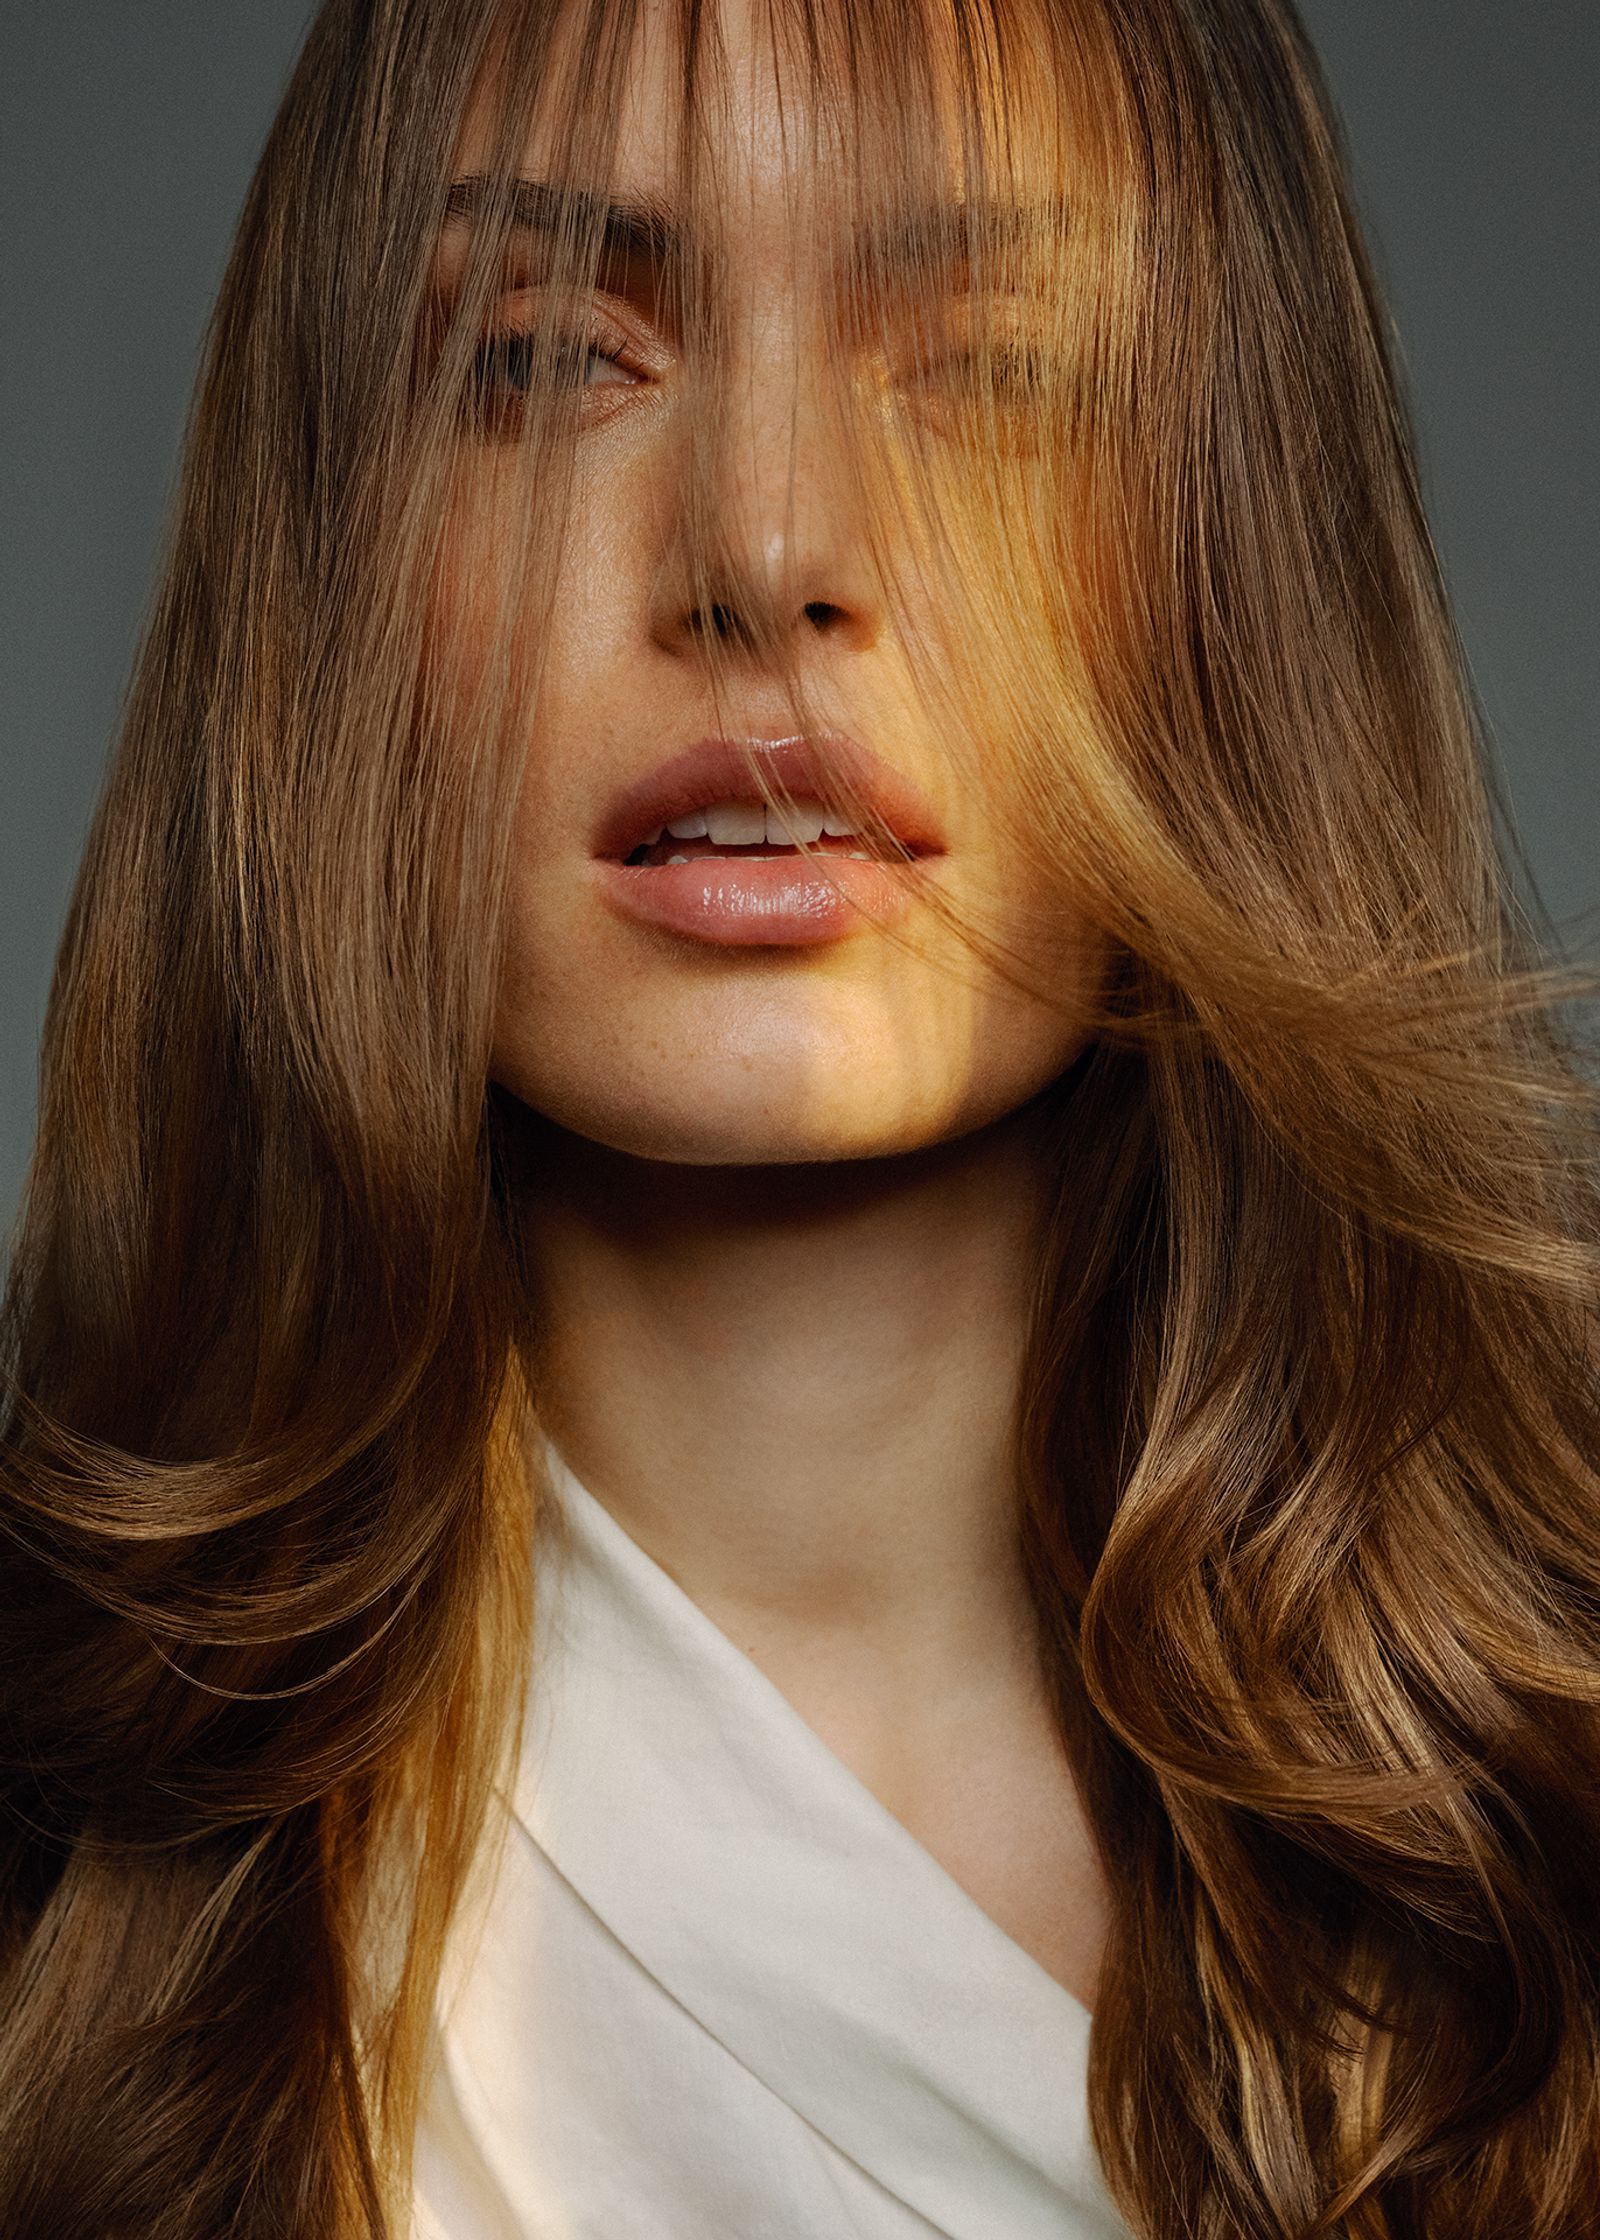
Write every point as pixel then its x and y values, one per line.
pixel 793 1031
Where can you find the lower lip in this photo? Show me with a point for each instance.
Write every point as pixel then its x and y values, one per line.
pixel 761 901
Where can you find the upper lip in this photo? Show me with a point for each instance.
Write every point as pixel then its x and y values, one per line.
pixel 831 768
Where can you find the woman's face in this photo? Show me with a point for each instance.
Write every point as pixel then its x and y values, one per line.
pixel 733 1009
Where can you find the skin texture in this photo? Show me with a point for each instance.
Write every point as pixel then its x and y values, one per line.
pixel 779 1199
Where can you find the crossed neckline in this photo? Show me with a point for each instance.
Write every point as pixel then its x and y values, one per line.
pixel 769 1891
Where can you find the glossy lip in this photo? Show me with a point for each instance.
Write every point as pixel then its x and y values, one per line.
pixel 779 901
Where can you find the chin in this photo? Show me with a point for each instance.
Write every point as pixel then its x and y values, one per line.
pixel 734 1109
pixel 746 1081
pixel 746 1126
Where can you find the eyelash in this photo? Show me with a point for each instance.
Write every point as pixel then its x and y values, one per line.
pixel 509 363
pixel 1014 367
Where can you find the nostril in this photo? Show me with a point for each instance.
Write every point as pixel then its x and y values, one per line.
pixel 743 627
pixel 717 622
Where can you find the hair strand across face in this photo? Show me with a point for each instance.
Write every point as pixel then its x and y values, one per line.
pixel 1309 1441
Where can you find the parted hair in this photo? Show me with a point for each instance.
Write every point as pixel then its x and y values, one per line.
pixel 1308 1448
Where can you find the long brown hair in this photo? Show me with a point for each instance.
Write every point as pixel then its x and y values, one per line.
pixel 1309 1437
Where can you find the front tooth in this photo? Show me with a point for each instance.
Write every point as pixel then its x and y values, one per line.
pixel 791 826
pixel 736 824
pixel 691 827
pixel 651 838
pixel 837 828
pixel 677 859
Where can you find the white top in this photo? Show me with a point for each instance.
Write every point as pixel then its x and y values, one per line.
pixel 720 1992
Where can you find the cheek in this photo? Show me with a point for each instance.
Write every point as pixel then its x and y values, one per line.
pixel 1030 1031
pixel 558 638
pixel 473 654
pixel 522 586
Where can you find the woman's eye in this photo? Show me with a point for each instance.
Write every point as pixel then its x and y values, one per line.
pixel 516 363
pixel 1016 396
pixel 1015 370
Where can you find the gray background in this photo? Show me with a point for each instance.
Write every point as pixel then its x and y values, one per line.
pixel 128 129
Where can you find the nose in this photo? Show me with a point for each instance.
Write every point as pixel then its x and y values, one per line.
pixel 766 554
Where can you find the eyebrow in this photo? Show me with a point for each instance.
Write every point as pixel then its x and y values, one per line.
pixel 643 227
pixel 945 233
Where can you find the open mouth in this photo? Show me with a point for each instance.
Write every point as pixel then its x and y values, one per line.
pixel 686 852
pixel 751 831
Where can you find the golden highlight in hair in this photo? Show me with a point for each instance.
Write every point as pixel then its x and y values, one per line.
pixel 1309 1439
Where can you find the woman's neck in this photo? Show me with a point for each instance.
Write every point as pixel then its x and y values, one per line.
pixel 794 1386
